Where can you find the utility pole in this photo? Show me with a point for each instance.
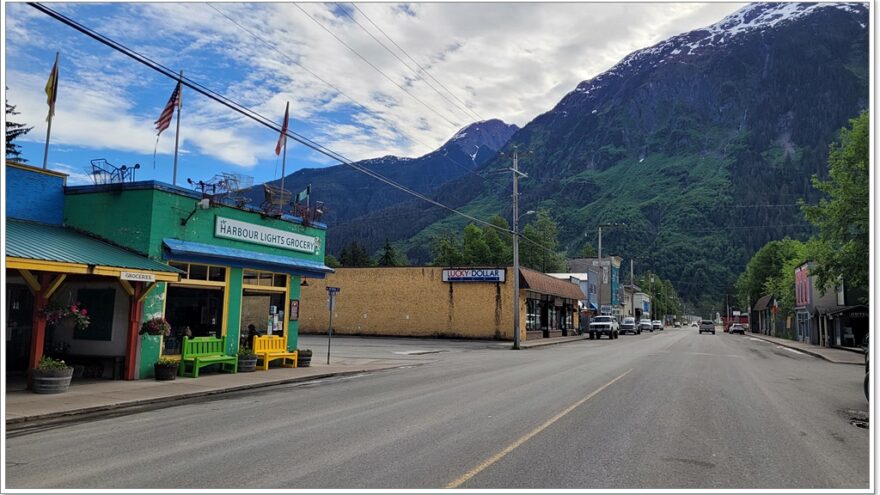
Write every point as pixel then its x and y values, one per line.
pixel 516 175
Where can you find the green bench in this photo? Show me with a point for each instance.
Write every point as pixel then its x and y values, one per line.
pixel 198 352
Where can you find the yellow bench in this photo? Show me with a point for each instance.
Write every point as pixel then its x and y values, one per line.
pixel 271 347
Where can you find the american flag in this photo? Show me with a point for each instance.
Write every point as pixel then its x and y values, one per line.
pixel 165 119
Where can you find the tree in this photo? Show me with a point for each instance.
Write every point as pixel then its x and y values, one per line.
pixel 500 243
pixel 447 251
pixel 389 256
pixel 842 247
pixel 331 261
pixel 355 256
pixel 14 130
pixel 538 245
pixel 474 250
pixel 587 251
pixel 765 265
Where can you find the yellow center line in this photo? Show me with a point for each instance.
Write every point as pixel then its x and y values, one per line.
pixel 525 438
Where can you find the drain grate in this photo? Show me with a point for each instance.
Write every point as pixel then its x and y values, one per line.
pixel 858 423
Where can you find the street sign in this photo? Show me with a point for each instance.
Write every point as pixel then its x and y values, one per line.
pixel 332 290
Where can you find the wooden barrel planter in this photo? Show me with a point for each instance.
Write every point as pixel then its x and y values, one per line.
pixel 247 364
pixel 165 372
pixel 51 381
pixel 304 358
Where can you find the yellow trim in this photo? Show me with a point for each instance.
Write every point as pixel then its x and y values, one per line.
pixel 199 283
pixel 263 288
pixel 286 304
pixel 115 271
pixel 37 170
pixel 31 281
pixel 225 313
pixel 55 285
pixel 126 287
pixel 147 290
pixel 45 266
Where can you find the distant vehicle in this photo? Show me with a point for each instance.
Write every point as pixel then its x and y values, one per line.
pixel 645 325
pixel 629 325
pixel 694 324
pixel 657 325
pixel 604 325
pixel 737 328
pixel 707 326
pixel 677 324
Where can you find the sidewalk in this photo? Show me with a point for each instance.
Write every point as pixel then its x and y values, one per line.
pixel 839 356
pixel 102 397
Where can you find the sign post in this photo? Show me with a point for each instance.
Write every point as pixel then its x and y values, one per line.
pixel 331 304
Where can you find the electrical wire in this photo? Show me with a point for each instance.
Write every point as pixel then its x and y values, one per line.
pixel 468 114
pixel 290 59
pixel 247 112
pixel 386 76
pixel 413 61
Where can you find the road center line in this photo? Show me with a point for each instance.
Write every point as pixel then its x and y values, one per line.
pixel 523 439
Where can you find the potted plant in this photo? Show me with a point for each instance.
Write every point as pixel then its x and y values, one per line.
pixel 247 360
pixel 156 326
pixel 55 312
pixel 51 376
pixel 166 369
pixel 304 358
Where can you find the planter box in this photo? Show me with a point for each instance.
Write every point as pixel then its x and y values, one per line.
pixel 247 364
pixel 51 381
pixel 165 373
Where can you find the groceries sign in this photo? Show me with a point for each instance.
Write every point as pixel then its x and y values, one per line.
pixel 267 236
pixel 473 275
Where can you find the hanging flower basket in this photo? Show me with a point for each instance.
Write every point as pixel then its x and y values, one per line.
pixel 55 313
pixel 156 326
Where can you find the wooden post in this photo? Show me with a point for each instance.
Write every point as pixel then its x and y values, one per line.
pixel 38 336
pixel 135 311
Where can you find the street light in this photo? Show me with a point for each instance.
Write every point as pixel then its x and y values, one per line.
pixel 653 299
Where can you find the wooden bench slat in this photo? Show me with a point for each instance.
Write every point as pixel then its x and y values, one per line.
pixel 271 347
pixel 198 352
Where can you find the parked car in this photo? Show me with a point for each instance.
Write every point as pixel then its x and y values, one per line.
pixel 645 325
pixel 604 325
pixel 629 325
pixel 707 326
pixel 657 325
pixel 737 328
pixel 694 324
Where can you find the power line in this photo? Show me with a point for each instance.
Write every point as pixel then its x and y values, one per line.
pixel 247 112
pixel 386 76
pixel 356 102
pixel 467 113
pixel 413 60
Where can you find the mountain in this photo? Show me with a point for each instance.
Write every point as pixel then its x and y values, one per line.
pixel 702 144
pixel 348 193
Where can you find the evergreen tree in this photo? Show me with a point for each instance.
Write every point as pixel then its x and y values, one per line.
pixel 355 256
pixel 475 251
pixel 842 248
pixel 447 251
pixel 539 243
pixel 588 251
pixel 500 244
pixel 331 261
pixel 389 256
pixel 14 130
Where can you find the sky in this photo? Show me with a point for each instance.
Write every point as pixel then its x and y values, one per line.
pixel 365 80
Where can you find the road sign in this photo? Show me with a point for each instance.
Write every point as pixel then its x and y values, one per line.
pixel 332 290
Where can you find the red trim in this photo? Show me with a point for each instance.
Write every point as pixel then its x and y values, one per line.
pixel 38 337
pixel 135 311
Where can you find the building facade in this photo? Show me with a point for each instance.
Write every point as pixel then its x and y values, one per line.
pixel 440 302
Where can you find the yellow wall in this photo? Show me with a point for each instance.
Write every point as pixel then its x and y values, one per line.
pixel 410 301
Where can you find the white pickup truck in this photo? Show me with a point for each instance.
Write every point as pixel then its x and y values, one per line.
pixel 604 325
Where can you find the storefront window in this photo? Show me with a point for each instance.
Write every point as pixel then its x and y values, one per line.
pixel 194 307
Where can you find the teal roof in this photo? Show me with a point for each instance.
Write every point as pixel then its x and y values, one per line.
pixel 53 243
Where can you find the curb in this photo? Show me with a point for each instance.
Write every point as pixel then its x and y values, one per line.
pixel 545 344
pixel 805 351
pixel 35 421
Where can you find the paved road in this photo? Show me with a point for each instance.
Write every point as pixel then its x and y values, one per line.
pixel 664 410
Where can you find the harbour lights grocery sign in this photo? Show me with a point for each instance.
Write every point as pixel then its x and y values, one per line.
pixel 473 275
pixel 267 236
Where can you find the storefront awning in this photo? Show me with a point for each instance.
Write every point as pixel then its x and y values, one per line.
pixel 196 252
pixel 52 248
pixel 545 284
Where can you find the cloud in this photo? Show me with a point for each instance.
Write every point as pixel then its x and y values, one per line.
pixel 502 60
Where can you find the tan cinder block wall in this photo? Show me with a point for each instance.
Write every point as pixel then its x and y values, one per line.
pixel 412 302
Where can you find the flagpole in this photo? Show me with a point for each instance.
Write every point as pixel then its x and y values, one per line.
pixel 177 132
pixel 284 159
pixel 51 113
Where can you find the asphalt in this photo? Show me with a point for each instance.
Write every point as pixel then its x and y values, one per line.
pixel 99 398
pixel 666 410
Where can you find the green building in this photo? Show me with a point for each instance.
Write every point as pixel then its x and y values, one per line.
pixel 240 266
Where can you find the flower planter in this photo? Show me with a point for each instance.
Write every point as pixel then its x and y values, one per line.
pixel 51 381
pixel 247 364
pixel 304 359
pixel 164 373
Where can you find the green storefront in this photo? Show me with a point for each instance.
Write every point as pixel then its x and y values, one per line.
pixel 241 266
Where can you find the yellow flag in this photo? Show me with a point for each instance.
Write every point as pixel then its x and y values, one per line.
pixel 52 89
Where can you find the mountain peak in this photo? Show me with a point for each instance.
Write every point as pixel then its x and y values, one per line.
pixel 492 134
